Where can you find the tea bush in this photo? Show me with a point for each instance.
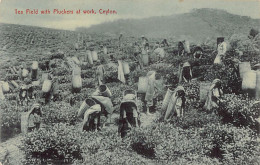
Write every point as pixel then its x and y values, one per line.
pixel 194 118
pixel 230 144
pixel 10 119
pixel 240 111
pixel 106 147
pixel 165 144
pixel 58 142
pixel 230 81
pixel 59 113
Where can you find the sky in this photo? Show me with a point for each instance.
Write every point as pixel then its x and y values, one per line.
pixel 124 8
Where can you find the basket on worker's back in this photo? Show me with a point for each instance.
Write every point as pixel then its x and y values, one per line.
pixel 85 105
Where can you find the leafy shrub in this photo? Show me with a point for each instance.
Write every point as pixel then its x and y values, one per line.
pixel 251 56
pixel 195 119
pixel 90 73
pixel 165 142
pixel 88 83
pixel 176 60
pixel 117 93
pixel 59 113
pixel 58 142
pixel 106 147
pixel 230 144
pixel 64 79
pixel 192 91
pixel 61 71
pixel 10 120
pixel 111 72
pixel 230 82
pixel 239 111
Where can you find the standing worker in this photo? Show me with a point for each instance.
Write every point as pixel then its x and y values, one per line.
pixel 144 40
pixel 222 49
pixel 149 95
pixel 100 73
pixel 120 39
pixel 181 49
pixel 214 94
pixel 137 55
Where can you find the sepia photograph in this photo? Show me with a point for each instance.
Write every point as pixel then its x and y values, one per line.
pixel 129 82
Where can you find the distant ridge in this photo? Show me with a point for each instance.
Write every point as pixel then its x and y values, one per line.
pixel 198 24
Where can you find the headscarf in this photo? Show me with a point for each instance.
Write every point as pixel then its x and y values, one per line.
pixel 34 106
pixel 214 82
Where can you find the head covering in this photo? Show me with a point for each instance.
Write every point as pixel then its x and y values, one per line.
pixel 186 64
pixel 215 81
pixel 150 73
pixel 236 60
pixel 179 88
pixel 213 84
pixel 34 106
pixel 142 36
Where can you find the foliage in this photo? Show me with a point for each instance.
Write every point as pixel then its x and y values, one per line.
pixel 59 113
pixel 230 144
pixel 58 142
pixel 240 111
pixel 231 83
pixel 194 118
pixel 61 71
pixel 106 147
pixel 10 119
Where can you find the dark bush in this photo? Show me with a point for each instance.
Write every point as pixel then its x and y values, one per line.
pixel 59 113
pixel 10 119
pixel 230 144
pixel 56 143
pixel 240 111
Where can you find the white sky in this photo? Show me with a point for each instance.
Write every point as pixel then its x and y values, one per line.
pixel 124 8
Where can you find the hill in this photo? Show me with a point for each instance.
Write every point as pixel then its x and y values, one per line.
pixel 198 24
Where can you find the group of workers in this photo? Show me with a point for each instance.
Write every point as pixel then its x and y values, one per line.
pixel 129 112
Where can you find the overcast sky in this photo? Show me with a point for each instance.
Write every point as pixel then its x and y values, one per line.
pixel 124 8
